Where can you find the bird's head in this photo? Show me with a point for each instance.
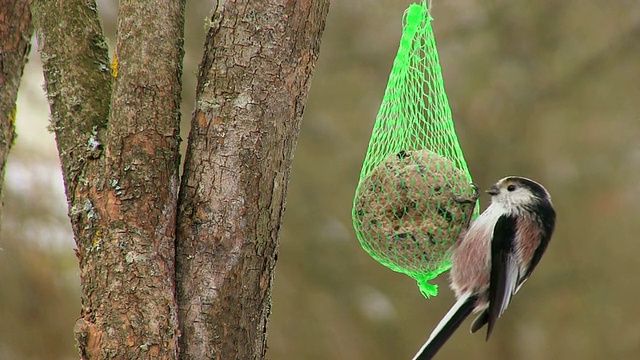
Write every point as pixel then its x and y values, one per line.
pixel 518 193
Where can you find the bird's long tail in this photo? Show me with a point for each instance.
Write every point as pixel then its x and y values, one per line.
pixel 447 326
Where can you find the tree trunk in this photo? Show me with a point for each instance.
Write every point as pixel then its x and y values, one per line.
pixel 252 87
pixel 117 132
pixel 119 151
pixel 15 44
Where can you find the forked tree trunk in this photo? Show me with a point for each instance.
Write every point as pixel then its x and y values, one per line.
pixel 252 88
pixel 116 127
pixel 117 134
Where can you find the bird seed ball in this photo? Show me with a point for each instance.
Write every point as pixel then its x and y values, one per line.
pixel 411 208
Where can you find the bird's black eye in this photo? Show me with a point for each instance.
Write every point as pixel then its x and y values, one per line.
pixel 511 187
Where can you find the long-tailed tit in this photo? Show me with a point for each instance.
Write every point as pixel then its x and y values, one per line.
pixel 495 256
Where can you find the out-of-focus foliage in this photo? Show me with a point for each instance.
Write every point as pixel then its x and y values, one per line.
pixel 545 89
pixel 39 285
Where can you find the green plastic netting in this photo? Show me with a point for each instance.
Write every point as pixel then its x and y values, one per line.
pixel 415 192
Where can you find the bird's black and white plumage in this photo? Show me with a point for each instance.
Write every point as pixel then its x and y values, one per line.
pixel 495 256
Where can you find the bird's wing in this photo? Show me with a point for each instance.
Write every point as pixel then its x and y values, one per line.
pixel 505 271
pixel 547 222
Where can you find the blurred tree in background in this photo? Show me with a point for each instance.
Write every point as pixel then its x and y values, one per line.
pixel 544 89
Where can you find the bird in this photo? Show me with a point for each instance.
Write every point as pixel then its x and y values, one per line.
pixel 494 256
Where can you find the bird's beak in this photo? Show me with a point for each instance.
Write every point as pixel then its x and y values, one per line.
pixel 493 190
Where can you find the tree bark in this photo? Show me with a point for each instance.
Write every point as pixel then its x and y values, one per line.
pixel 117 134
pixel 118 145
pixel 15 44
pixel 252 87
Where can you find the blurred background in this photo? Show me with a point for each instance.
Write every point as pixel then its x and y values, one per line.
pixel 544 89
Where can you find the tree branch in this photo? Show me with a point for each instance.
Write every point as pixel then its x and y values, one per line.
pixel 75 59
pixel 141 181
pixel 252 88
pixel 15 44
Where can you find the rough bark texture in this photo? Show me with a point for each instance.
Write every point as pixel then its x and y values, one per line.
pixel 15 43
pixel 119 151
pixel 252 87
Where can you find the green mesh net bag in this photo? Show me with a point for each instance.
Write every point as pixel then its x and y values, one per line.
pixel 415 193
